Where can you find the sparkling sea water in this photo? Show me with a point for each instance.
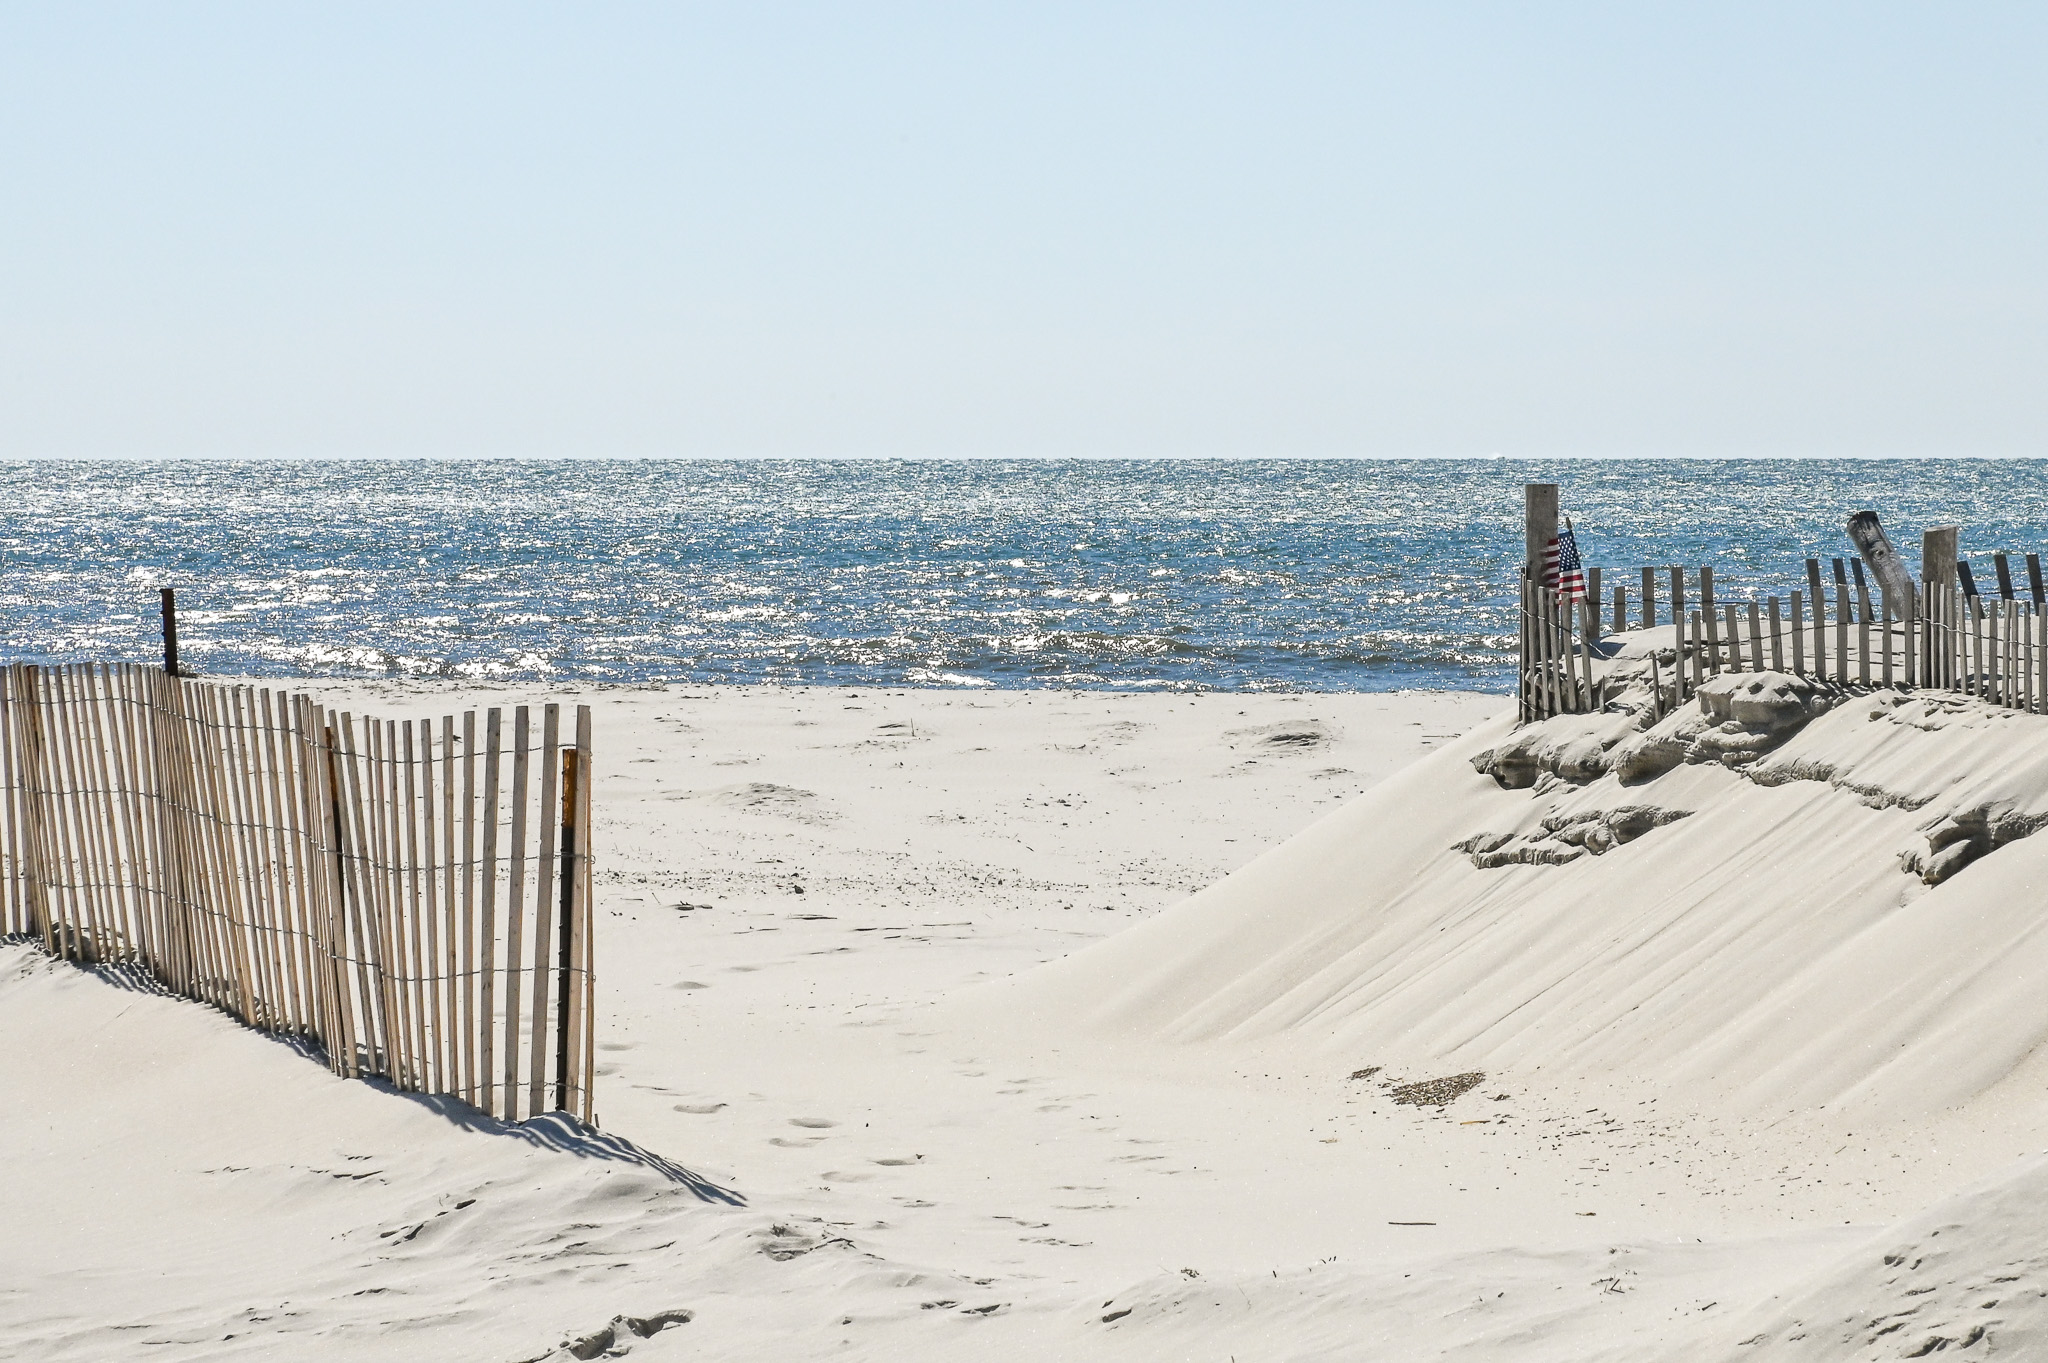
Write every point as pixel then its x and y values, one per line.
pixel 1235 575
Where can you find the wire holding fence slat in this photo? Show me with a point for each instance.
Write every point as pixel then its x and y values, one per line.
pixel 360 884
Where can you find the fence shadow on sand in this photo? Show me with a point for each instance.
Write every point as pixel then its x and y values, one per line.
pixel 560 1132
pixel 567 1134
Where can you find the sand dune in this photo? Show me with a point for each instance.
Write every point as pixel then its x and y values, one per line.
pixel 1766 936
pixel 922 1036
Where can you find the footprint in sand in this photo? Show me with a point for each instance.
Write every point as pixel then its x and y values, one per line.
pixel 804 1144
pixel 699 1109
pixel 899 1161
pixel 688 984
pixel 812 1122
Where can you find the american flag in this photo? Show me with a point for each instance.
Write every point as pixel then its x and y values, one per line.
pixel 1562 570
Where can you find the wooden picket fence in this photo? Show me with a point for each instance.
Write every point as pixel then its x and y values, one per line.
pixel 1944 636
pixel 410 897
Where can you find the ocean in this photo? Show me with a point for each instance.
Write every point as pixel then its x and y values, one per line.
pixel 1287 575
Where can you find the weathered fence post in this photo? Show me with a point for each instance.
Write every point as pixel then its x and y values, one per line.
pixel 1539 530
pixel 1707 615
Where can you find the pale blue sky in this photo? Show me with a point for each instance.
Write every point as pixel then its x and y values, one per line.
pixel 1034 229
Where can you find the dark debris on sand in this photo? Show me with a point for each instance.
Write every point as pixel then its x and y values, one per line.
pixel 1437 1092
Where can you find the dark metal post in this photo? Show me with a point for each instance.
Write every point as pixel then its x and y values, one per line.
pixel 170 609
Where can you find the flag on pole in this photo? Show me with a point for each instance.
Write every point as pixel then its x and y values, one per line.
pixel 1562 570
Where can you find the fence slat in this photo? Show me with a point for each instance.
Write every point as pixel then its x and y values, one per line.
pixel 2038 638
pixel 366 954
pixel 471 970
pixel 515 902
pixel 1589 634
pixel 83 805
pixel 487 931
pixel 417 962
pixel 13 916
pixel 544 945
pixel 587 980
pixel 344 982
pixel 257 898
pixel 430 915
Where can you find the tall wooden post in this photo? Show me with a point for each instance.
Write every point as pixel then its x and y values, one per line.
pixel 1539 526
pixel 1938 555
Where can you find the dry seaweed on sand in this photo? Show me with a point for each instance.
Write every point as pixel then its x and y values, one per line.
pixel 1438 1092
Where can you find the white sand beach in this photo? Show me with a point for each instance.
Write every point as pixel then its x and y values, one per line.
pixel 1036 1025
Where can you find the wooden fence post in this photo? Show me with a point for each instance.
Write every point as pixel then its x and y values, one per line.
pixel 1524 711
pixel 1711 620
pixel 1798 637
pixel 1539 528
pixel 566 990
